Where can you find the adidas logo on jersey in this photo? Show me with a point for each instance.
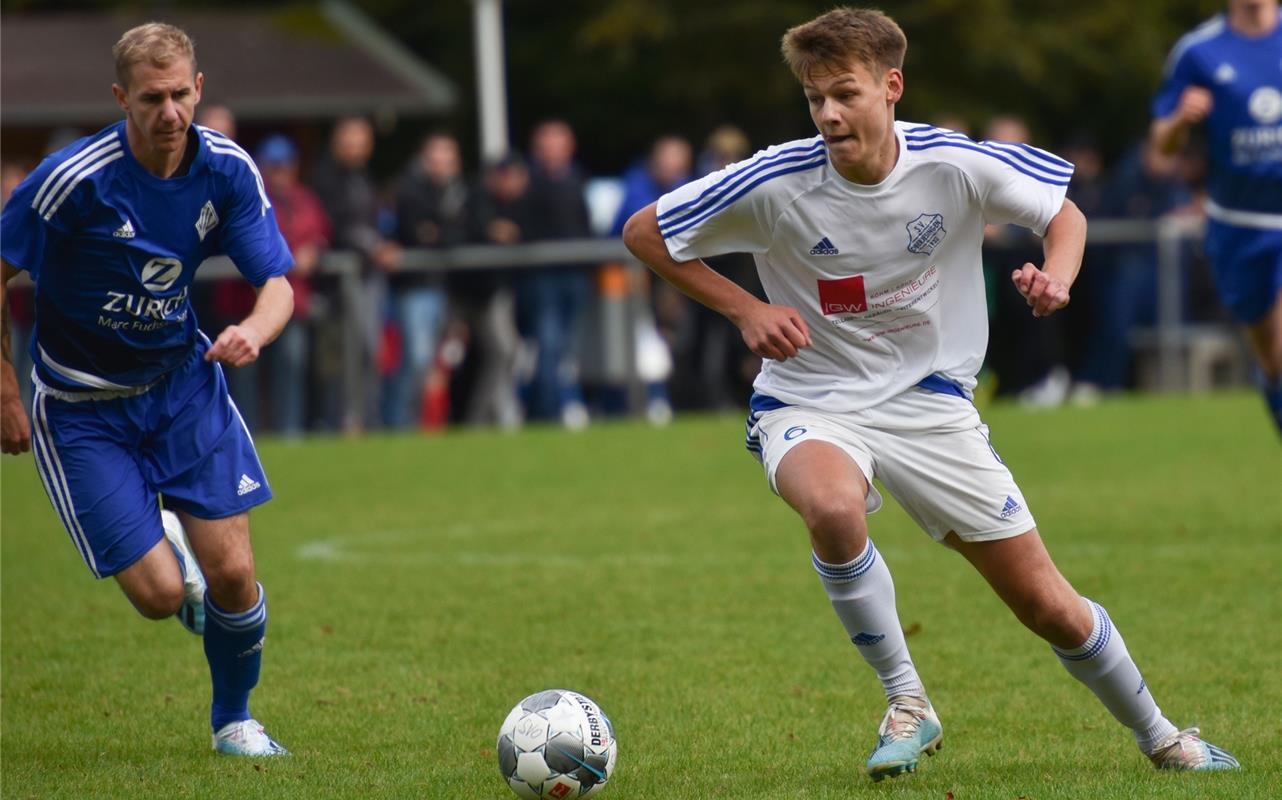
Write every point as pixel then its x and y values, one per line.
pixel 125 231
pixel 1011 508
pixel 824 248
pixel 247 485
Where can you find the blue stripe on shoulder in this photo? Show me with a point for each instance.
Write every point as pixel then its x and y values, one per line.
pixel 691 221
pixel 751 168
pixel 991 154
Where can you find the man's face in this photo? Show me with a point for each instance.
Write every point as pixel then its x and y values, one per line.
pixel 553 145
pixel 160 102
pixel 280 176
pixel 441 159
pixel 353 143
pixel 851 107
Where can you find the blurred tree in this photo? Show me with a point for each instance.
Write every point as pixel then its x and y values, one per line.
pixel 629 70
pixel 624 71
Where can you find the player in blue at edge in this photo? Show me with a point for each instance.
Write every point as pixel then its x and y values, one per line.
pixel 1227 73
pixel 130 401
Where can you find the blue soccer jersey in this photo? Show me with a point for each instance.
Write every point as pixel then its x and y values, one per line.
pixel 113 250
pixel 1244 128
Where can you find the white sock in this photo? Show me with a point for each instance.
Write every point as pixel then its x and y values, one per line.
pixel 1105 666
pixel 863 595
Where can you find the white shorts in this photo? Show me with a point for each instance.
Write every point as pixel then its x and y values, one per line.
pixel 937 461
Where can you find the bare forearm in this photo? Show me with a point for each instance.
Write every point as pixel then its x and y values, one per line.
pixel 694 278
pixel 1064 244
pixel 272 310
pixel 1168 134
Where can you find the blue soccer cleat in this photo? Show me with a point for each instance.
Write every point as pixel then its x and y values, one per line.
pixel 909 729
pixel 1186 750
pixel 246 738
pixel 191 614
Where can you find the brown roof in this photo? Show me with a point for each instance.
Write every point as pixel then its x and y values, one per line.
pixel 279 64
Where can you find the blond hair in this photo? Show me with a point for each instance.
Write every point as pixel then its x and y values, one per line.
pixel 834 39
pixel 156 43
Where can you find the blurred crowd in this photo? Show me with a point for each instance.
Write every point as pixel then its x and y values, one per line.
pixel 502 346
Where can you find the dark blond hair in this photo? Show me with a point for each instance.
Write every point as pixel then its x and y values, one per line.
pixel 156 43
pixel 834 39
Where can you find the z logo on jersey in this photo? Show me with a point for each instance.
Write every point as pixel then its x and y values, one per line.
pixel 158 275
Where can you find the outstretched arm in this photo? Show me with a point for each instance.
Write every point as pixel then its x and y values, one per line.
pixel 239 345
pixel 15 428
pixel 1046 289
pixel 770 331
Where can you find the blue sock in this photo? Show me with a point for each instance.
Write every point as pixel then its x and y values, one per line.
pixel 1273 396
pixel 234 649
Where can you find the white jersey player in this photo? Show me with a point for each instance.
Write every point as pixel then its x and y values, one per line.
pixel 867 240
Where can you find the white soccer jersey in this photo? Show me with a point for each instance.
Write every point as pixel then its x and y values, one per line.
pixel 888 277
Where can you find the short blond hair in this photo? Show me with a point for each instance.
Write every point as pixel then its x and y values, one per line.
pixel 156 43
pixel 834 39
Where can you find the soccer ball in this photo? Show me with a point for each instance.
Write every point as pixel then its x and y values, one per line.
pixel 556 744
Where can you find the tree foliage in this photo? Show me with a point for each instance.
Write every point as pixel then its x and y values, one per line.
pixel 624 71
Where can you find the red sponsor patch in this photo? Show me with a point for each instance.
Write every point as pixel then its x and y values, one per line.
pixel 842 296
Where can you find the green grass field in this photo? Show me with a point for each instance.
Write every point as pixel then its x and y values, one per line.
pixel 419 587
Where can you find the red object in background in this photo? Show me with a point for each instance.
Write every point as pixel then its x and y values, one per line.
pixel 391 349
pixel 435 413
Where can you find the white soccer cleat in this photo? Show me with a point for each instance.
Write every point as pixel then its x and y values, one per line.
pixel 909 729
pixel 191 614
pixel 246 738
pixel 1186 750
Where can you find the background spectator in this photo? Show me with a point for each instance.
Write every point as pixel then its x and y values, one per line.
pixel 667 166
pixel 484 302
pixel 550 301
pixel 714 368
pixel 431 212
pixel 1146 185
pixel 345 187
pixel 306 229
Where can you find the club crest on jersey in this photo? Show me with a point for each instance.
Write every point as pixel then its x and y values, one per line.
pixel 925 233
pixel 207 220
pixel 1265 105
pixel 843 296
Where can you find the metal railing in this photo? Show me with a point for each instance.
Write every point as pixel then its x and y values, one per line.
pixel 1168 234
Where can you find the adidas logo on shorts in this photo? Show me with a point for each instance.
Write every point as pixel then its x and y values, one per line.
pixel 1011 508
pixel 247 485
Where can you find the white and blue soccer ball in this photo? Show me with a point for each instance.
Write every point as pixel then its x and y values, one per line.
pixel 556 744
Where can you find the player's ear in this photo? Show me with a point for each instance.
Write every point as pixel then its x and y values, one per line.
pixel 199 82
pixel 894 79
pixel 122 97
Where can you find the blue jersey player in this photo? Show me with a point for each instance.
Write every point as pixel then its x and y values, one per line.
pixel 130 401
pixel 1227 74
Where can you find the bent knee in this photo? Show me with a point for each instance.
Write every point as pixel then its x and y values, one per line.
pixel 232 584
pixel 1063 621
pixel 158 601
pixel 836 513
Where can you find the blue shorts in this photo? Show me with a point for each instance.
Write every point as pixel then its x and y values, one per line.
pixel 104 462
pixel 1247 264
